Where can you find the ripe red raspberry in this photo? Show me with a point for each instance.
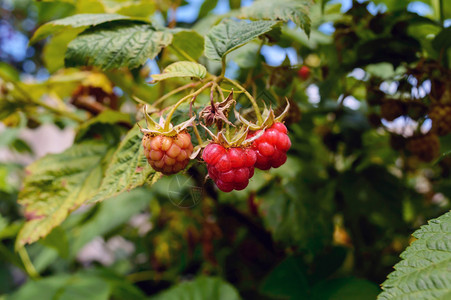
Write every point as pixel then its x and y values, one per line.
pixel 441 119
pixel 304 72
pixel 271 147
pixel 168 154
pixel 230 168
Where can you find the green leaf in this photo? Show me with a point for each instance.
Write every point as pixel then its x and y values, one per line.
pixel 54 50
pixel 288 279
pixel 8 72
pixel 424 272
pixel 109 215
pixel 108 117
pixel 230 34
pixel 57 184
pixel 247 56
pixel 128 168
pixel 442 40
pixel 280 10
pixel 62 286
pixel 346 288
pixel 234 4
pixel 57 239
pixel 75 21
pixel 137 9
pixel 206 7
pixel 118 44
pixel 188 43
pixel 201 288
pixel 182 69
pixel 293 215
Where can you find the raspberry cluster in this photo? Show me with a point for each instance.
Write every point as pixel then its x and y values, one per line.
pixel 441 119
pixel 425 147
pixel 168 154
pixel 232 167
pixel 229 168
pixel 271 147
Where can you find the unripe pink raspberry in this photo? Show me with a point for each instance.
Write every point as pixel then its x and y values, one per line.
pixel 271 147
pixel 168 154
pixel 229 168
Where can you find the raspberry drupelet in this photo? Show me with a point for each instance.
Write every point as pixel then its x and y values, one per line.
pixel 230 168
pixel 271 147
pixel 168 154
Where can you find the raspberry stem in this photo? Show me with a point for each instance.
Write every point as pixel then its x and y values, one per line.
pixel 249 96
pixel 173 92
pixel 57 111
pixel 181 101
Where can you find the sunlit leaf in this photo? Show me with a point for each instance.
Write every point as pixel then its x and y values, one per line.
pixel 8 72
pixel 231 34
pixel 139 9
pixel 188 43
pixel 118 44
pixel 280 10
pixel 54 50
pixel 182 69
pixel 206 7
pixel 76 21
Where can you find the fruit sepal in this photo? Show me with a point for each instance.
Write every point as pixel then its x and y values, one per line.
pixel 269 118
pixel 154 128
pixel 239 139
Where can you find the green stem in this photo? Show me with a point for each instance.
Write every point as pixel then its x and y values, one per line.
pixel 249 96
pixel 57 111
pixel 442 13
pixel 27 263
pixel 197 134
pixel 221 94
pixel 149 275
pixel 181 101
pixel 223 69
pixel 173 92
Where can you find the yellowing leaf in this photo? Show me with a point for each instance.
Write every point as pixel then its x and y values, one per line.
pixel 182 69
pixel 57 184
pixel 128 168
pixel 75 21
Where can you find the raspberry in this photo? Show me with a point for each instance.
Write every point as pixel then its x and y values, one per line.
pixel 271 147
pixel 425 147
pixel 304 72
pixel 168 154
pixel 441 119
pixel 392 109
pixel 229 168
